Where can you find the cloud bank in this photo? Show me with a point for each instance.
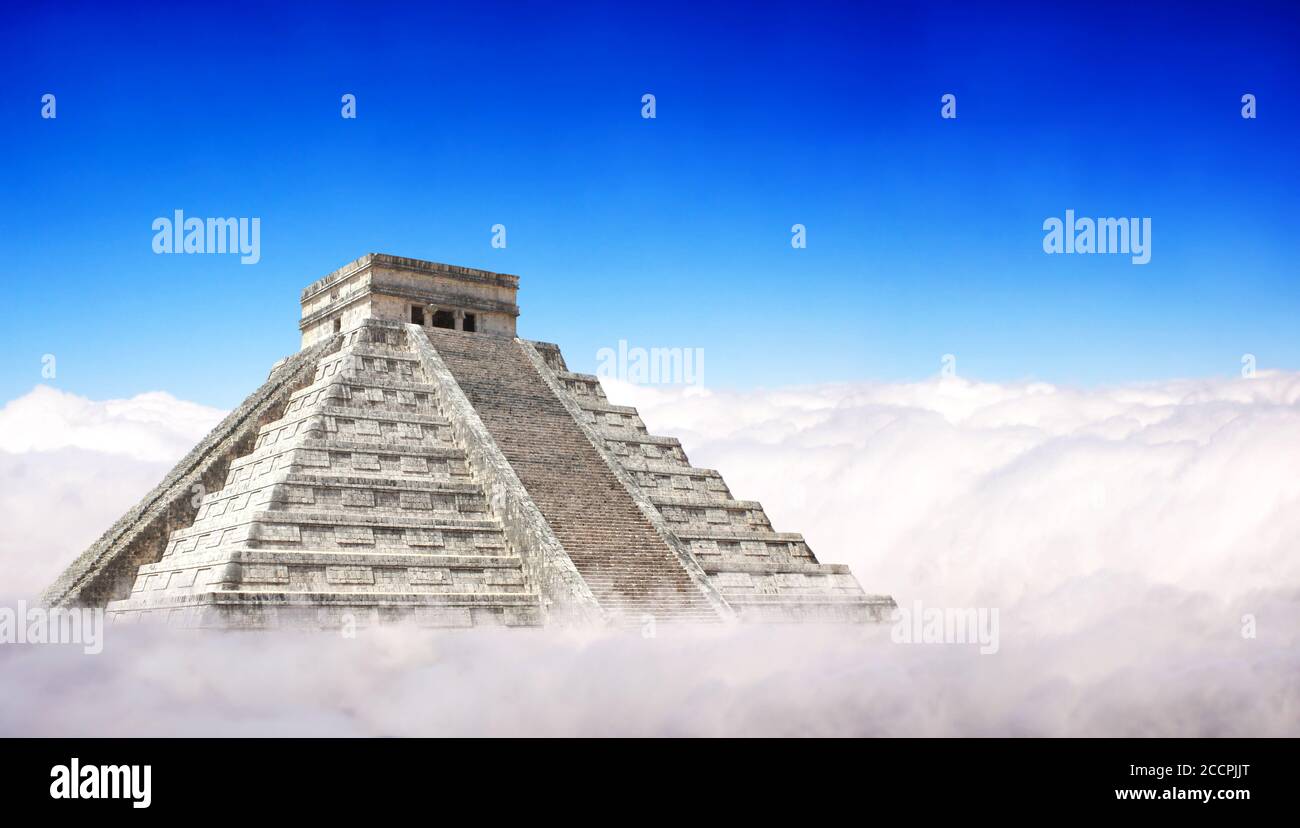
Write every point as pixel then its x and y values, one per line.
pixel 1123 533
pixel 964 492
pixel 153 427
pixel 70 467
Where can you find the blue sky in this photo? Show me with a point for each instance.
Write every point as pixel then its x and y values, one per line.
pixel 924 235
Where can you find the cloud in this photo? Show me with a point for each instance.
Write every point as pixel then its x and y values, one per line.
pixel 1123 533
pixel 152 427
pixel 963 492
pixel 70 467
pixel 1131 676
pixel 54 504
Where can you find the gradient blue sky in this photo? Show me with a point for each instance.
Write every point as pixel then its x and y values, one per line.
pixel 924 235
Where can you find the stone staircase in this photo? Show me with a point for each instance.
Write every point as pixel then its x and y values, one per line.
pixel 628 566
pixel 762 574
pixel 393 470
pixel 355 506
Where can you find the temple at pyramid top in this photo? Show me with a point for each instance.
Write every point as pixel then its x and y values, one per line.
pixel 429 294
pixel 416 461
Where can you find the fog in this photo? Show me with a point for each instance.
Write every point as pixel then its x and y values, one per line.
pixel 1141 544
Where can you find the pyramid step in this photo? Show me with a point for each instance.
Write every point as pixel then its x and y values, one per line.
pixel 627 564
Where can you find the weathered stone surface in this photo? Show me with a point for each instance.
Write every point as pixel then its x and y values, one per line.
pixel 684 557
pixel 633 570
pixel 379 286
pixel 545 559
pixel 327 521
pixel 430 473
pixel 762 575
pixel 107 569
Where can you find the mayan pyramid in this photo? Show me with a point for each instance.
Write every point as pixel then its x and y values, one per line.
pixel 416 461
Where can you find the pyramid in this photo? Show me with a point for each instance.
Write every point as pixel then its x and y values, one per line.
pixel 418 462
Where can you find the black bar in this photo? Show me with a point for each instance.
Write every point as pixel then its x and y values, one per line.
pixel 333 778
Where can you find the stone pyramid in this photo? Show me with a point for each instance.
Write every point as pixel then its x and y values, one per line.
pixel 416 461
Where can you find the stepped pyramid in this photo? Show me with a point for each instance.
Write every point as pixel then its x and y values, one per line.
pixel 416 461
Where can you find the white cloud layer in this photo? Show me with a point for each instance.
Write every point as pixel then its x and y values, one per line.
pixel 154 426
pixel 1122 533
pixel 964 493
pixel 70 467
